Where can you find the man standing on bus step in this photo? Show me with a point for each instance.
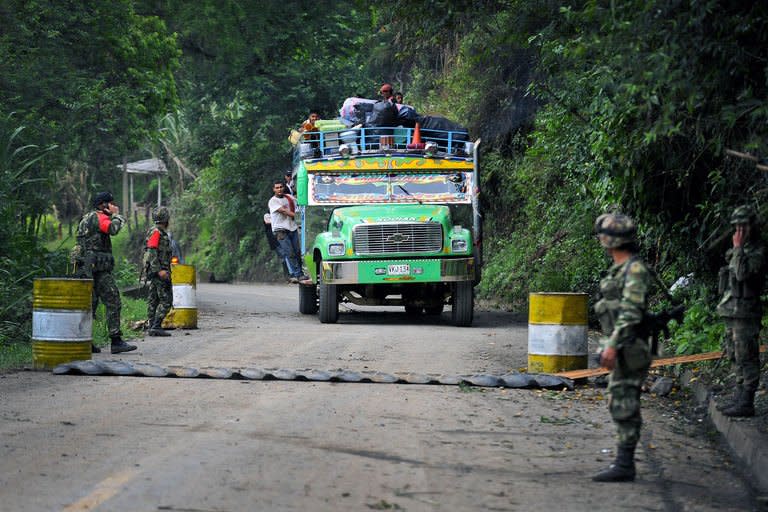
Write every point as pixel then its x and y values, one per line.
pixel 282 210
pixel 94 240
pixel 157 265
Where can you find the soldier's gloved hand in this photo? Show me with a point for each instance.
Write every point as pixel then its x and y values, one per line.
pixel 608 357
pixel 164 275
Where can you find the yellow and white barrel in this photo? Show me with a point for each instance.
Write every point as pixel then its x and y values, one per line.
pixel 183 314
pixel 62 321
pixel 557 332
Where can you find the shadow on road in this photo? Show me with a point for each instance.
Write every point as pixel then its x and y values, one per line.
pixel 347 315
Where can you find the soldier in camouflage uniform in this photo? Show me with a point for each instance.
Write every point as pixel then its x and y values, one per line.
pixel 157 265
pixel 625 348
pixel 741 283
pixel 95 261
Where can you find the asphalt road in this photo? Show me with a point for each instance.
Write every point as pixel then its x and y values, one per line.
pixel 77 443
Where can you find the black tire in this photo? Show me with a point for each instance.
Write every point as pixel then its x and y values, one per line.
pixel 410 309
pixel 308 299
pixel 462 311
pixel 328 310
pixel 434 310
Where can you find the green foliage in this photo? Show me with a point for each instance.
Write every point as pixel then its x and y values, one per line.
pixel 701 331
pixel 22 257
pixel 92 77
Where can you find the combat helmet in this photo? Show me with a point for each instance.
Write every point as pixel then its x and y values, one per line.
pixel 615 229
pixel 161 215
pixel 743 214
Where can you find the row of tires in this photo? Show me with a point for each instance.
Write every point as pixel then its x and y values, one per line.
pixel 323 299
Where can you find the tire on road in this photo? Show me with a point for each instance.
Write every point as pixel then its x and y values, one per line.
pixel 329 303
pixel 308 299
pixel 462 311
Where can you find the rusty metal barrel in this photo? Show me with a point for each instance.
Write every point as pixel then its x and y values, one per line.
pixel 62 321
pixel 557 332
pixel 183 314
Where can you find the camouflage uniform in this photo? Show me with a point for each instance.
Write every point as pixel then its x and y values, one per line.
pixel 741 283
pixel 624 302
pixel 95 261
pixel 157 257
pixel 621 311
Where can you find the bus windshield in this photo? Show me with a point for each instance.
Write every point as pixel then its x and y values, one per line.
pixel 362 188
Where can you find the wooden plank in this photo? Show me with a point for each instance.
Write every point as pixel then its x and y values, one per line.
pixel 663 361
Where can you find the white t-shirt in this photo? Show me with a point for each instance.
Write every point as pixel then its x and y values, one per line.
pixel 281 220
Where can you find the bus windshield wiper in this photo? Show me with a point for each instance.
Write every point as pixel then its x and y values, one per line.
pixel 408 193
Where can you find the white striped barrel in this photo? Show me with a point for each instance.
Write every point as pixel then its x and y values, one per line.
pixel 183 314
pixel 557 332
pixel 62 321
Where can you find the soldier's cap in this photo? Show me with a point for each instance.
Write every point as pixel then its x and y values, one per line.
pixel 744 214
pixel 615 229
pixel 102 197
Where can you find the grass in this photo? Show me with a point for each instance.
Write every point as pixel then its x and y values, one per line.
pixel 133 310
pixel 19 355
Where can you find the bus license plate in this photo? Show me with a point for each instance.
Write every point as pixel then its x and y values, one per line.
pixel 399 270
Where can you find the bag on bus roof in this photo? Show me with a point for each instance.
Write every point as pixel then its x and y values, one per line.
pixel 362 113
pixel 384 114
pixel 435 126
pixel 347 110
pixel 407 116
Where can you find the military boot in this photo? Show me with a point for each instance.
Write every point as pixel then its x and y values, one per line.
pixel 622 469
pixel 744 407
pixel 118 345
pixel 157 330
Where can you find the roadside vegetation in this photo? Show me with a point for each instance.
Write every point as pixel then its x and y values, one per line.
pixel 582 107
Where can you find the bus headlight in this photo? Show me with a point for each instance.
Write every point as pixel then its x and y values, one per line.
pixel 458 245
pixel 336 249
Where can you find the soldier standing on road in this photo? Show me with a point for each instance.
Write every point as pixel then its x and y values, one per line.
pixel 741 283
pixel 94 234
pixel 157 265
pixel 625 349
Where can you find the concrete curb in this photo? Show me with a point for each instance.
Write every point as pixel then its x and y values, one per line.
pixel 748 444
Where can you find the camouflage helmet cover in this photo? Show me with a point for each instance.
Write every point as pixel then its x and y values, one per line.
pixel 102 197
pixel 615 229
pixel 161 215
pixel 744 214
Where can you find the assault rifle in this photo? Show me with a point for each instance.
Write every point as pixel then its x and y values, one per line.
pixel 657 324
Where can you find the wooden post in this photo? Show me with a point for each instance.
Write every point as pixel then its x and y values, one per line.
pixel 126 204
pixel 131 200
